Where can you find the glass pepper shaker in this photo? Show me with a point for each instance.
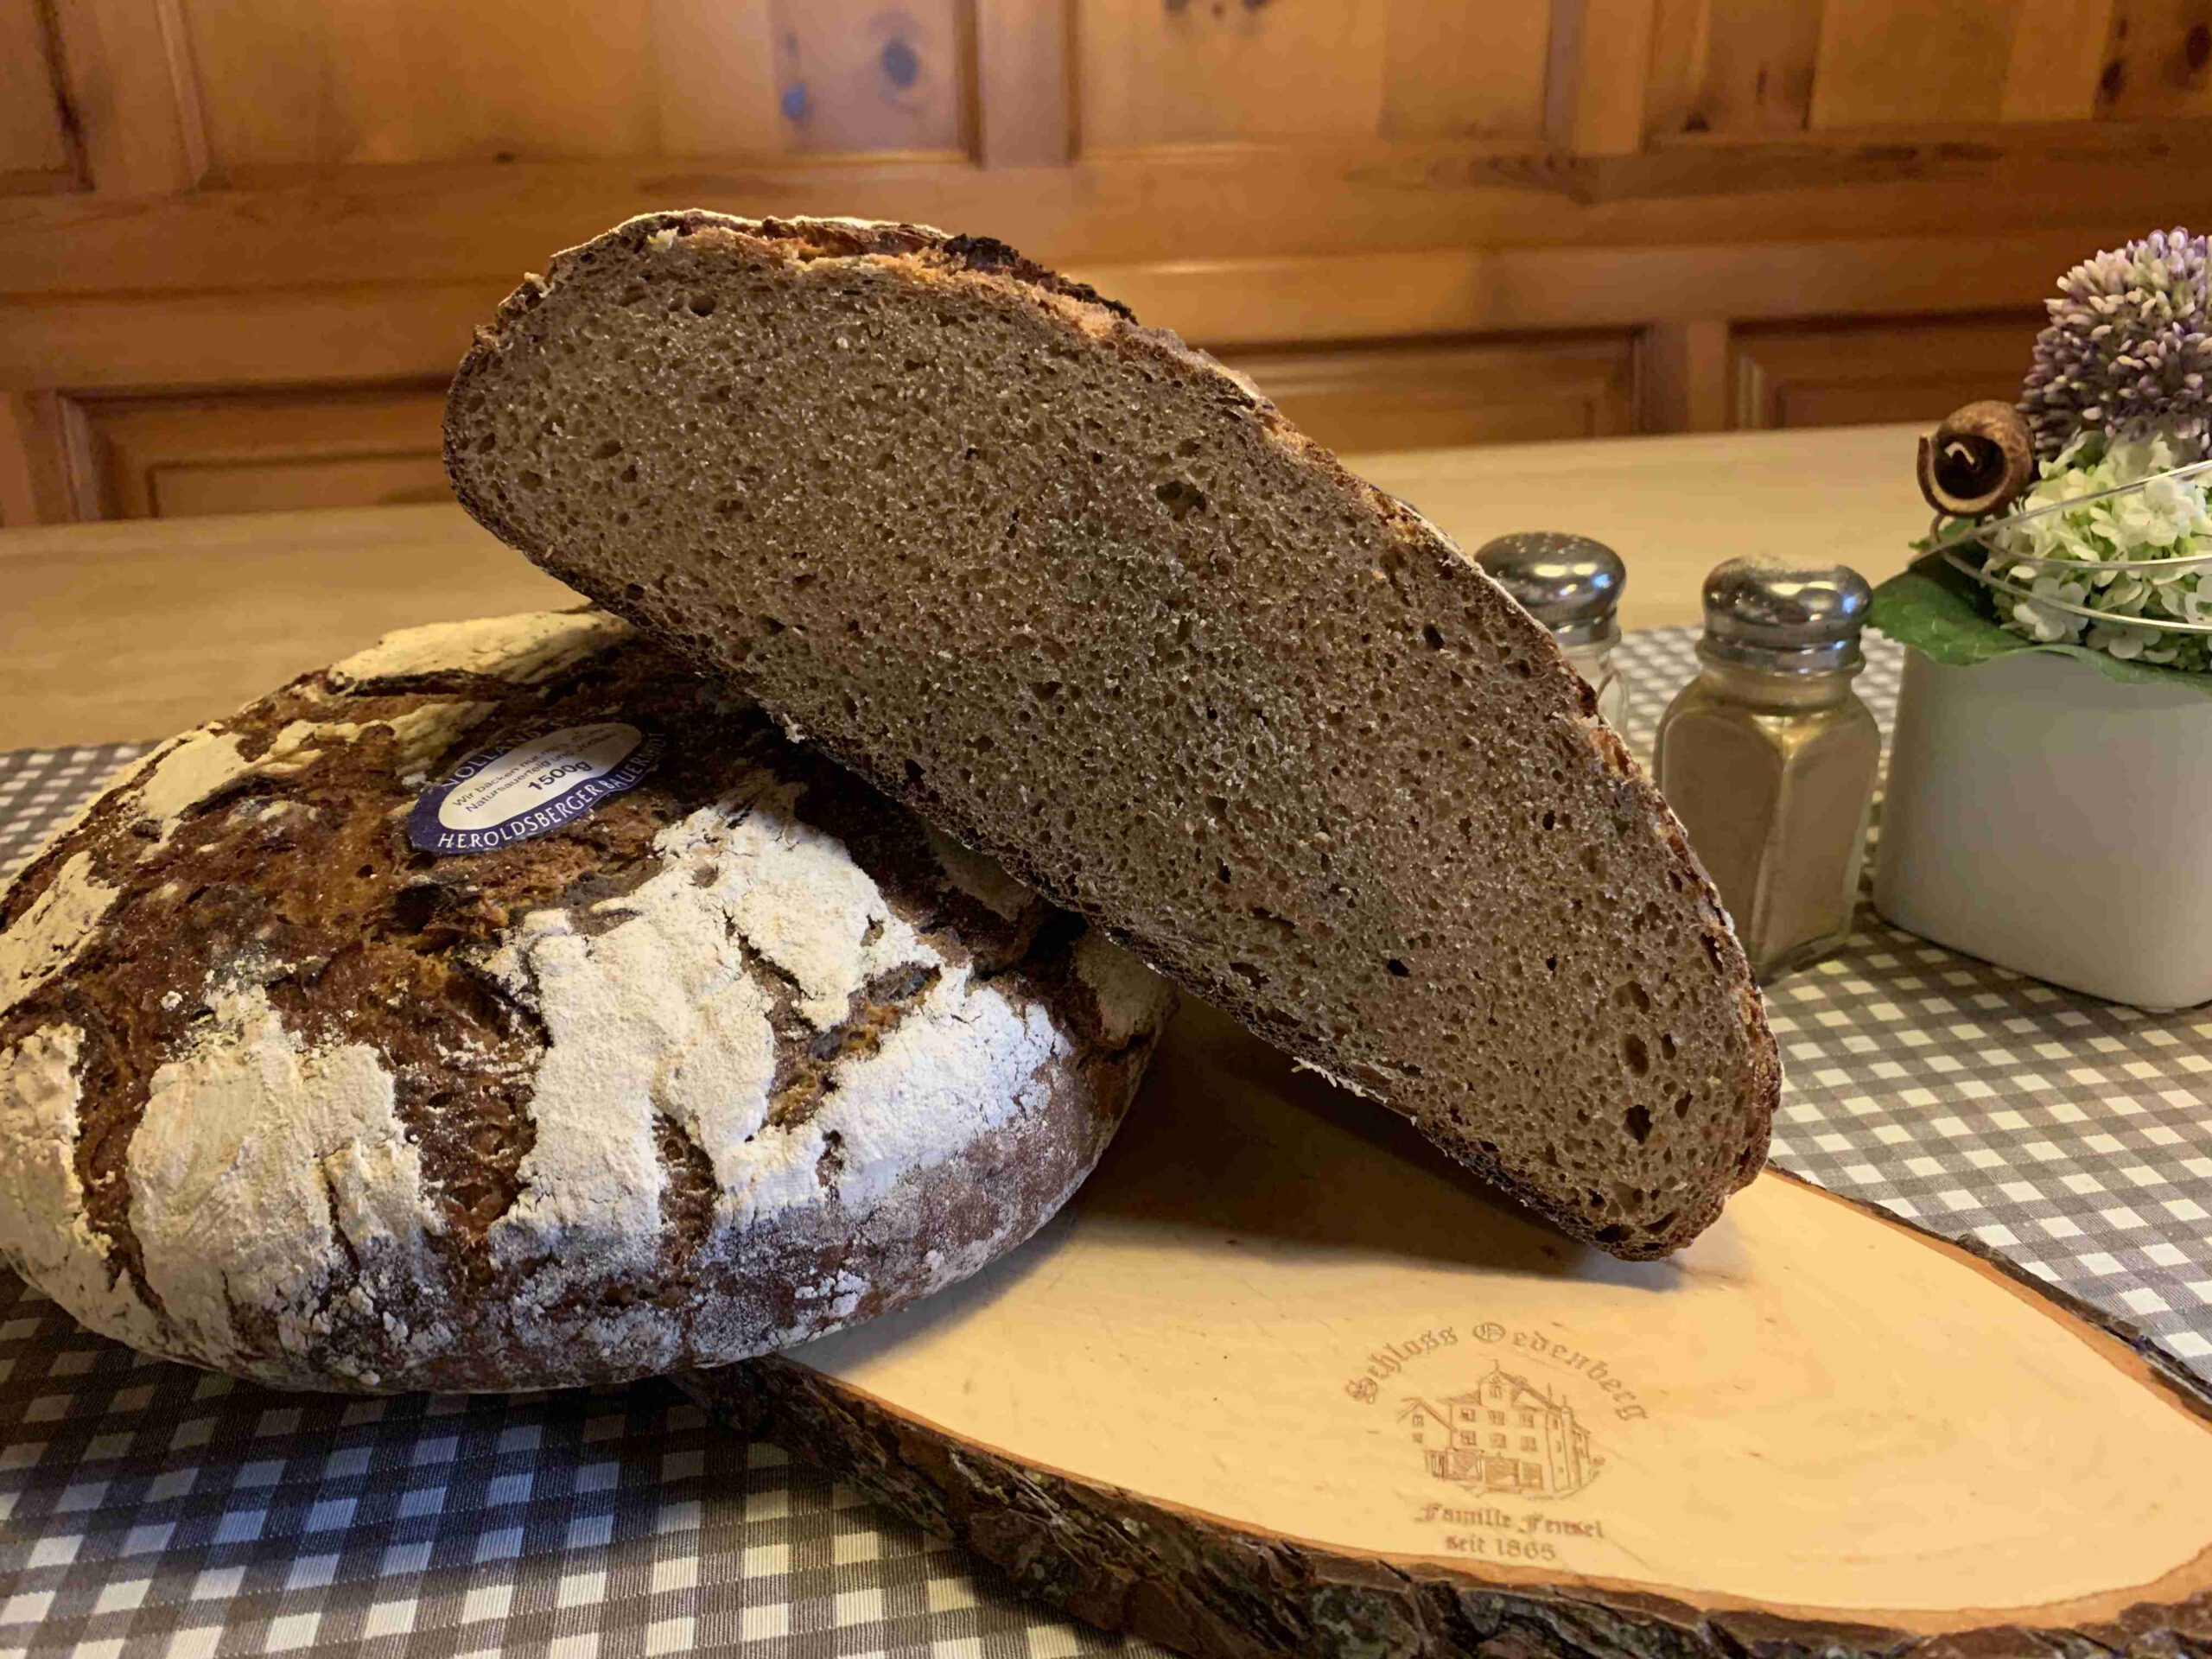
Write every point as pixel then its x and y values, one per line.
pixel 1767 757
pixel 1572 586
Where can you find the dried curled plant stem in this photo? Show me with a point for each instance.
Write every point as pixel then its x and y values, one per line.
pixel 1978 461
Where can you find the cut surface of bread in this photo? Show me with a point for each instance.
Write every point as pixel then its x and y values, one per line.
pixel 1083 599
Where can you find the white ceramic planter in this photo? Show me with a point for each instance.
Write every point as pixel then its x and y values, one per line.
pixel 2043 817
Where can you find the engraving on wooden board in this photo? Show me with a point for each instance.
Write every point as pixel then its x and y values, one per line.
pixel 1502 1416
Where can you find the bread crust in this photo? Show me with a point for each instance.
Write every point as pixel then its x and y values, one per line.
pixel 739 1057
pixel 934 261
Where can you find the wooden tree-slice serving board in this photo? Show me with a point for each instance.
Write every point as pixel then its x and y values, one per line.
pixel 1282 1381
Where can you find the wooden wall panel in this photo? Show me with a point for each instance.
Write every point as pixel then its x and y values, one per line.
pixel 2157 61
pixel 2053 71
pixel 1598 76
pixel 714 79
pixel 35 483
pixel 1431 397
pixel 1450 70
pixel 180 456
pixel 1899 63
pixel 363 82
pixel 1683 376
pixel 1737 67
pixel 381 81
pixel 228 230
pixel 1847 374
pixel 279 483
pixel 1025 83
pixel 35 153
pixel 871 76
pixel 354 83
pixel 1179 72
pixel 133 95
pixel 1770 67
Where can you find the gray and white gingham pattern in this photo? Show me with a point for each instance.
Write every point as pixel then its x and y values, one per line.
pixel 147 1509
pixel 2074 1136
pixel 153 1510
pixel 41 787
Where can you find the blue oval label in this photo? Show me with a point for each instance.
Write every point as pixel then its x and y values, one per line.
pixel 539 779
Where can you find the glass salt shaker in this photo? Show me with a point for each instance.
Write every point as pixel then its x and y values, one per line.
pixel 1767 757
pixel 1572 586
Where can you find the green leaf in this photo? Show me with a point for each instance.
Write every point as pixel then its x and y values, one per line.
pixel 1940 614
pixel 2127 673
pixel 1937 611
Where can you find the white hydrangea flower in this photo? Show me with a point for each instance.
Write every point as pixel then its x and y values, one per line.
pixel 2126 640
pixel 2069 556
pixel 2046 624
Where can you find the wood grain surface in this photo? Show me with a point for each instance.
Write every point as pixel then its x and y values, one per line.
pixel 1282 1381
pixel 202 201
pixel 112 632
pixel 115 633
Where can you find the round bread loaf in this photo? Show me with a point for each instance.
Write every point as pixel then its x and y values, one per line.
pixel 724 1052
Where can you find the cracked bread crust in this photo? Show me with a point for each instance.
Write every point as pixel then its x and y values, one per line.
pixel 1082 597
pixel 741 1056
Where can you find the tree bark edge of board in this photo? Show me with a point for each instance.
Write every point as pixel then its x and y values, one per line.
pixel 1117 1562
pixel 1205 1587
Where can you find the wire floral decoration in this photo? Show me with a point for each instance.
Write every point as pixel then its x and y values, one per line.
pixel 2059 565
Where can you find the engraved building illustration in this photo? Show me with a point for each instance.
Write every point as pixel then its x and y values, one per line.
pixel 1503 1436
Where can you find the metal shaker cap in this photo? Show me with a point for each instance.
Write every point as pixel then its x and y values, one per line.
pixel 1569 583
pixel 1785 615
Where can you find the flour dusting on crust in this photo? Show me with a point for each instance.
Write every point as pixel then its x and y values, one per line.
pixel 44 1234
pixel 525 649
pixel 183 773
pixel 694 1076
pixel 267 1180
pixel 422 734
pixel 662 1013
pixel 966 1062
pixel 47 936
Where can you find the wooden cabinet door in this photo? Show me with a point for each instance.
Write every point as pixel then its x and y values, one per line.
pixel 181 455
pixel 1847 374
pixel 242 246
pixel 1432 396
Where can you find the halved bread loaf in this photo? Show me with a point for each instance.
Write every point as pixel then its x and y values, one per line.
pixel 1085 599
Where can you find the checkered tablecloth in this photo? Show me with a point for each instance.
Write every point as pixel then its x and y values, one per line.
pixel 149 1510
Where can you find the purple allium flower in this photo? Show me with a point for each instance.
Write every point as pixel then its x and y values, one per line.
pixel 2129 347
